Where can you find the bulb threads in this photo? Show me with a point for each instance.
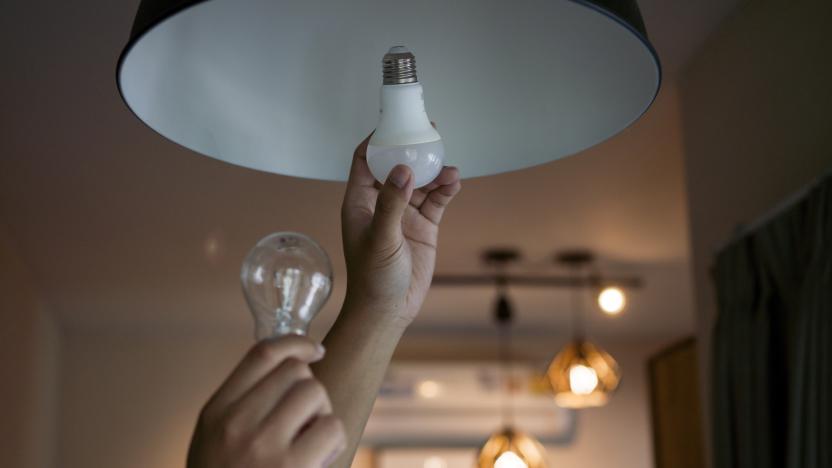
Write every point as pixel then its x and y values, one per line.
pixel 399 66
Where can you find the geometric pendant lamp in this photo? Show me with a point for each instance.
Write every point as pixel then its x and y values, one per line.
pixel 291 86
pixel 508 447
pixel 511 449
pixel 582 375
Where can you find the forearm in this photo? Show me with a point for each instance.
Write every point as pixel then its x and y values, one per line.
pixel 359 348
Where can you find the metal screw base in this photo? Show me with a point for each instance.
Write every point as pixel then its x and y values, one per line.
pixel 399 66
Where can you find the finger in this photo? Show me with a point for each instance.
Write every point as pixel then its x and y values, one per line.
pixel 390 206
pixel 258 362
pixel 359 171
pixel 253 407
pixel 447 176
pixel 320 443
pixel 304 401
pixel 434 206
pixel 361 192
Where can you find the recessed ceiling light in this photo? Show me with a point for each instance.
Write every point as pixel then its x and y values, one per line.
pixel 429 389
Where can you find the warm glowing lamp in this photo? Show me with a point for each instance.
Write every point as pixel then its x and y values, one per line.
pixel 583 375
pixel 511 449
pixel 508 448
pixel 429 389
pixel 612 300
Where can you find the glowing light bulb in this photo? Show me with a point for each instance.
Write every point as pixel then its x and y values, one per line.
pixel 435 462
pixel 612 300
pixel 429 389
pixel 509 459
pixel 286 280
pixel 582 379
pixel 404 134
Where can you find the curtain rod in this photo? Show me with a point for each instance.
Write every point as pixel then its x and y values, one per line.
pixel 744 230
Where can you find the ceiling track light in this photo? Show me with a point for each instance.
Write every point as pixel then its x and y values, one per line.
pixel 582 374
pixel 610 289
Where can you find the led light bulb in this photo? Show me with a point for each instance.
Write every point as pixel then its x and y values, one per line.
pixel 286 280
pixel 509 459
pixel 582 379
pixel 612 300
pixel 404 134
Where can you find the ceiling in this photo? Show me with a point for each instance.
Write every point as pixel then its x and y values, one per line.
pixel 122 229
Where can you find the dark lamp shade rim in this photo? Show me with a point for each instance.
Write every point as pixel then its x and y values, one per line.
pixel 152 13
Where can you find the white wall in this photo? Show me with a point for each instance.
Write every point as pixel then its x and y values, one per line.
pixel 28 366
pixel 755 111
pixel 130 399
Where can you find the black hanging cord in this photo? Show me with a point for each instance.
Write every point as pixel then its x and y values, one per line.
pixel 503 316
pixel 577 309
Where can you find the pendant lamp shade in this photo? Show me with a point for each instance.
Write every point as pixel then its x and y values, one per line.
pixel 292 86
pixel 511 449
pixel 583 375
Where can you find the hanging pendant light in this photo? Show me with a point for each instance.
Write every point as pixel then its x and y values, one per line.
pixel 511 449
pixel 582 375
pixel 508 447
pixel 291 86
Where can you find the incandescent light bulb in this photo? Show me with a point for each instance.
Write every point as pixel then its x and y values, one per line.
pixel 404 134
pixel 582 379
pixel 509 459
pixel 286 280
pixel 612 300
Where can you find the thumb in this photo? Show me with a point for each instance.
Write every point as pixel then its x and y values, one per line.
pixel 392 201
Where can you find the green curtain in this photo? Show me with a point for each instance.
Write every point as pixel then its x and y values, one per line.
pixel 772 341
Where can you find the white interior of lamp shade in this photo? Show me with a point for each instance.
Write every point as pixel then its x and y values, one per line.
pixel 292 86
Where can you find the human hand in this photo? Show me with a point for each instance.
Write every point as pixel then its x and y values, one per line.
pixel 390 235
pixel 269 413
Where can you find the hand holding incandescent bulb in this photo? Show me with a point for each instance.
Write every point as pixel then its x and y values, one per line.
pixel 286 278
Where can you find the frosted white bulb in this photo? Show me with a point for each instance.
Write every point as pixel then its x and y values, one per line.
pixel 286 278
pixel 582 379
pixel 509 459
pixel 404 134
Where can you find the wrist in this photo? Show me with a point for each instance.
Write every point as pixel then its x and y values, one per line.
pixel 387 316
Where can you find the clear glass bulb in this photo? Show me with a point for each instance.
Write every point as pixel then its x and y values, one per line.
pixel 582 379
pixel 286 278
pixel 509 459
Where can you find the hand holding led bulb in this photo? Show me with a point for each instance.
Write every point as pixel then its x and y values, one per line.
pixel 390 235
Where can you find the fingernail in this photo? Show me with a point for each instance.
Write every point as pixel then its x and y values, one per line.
pixel 321 349
pixel 399 176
